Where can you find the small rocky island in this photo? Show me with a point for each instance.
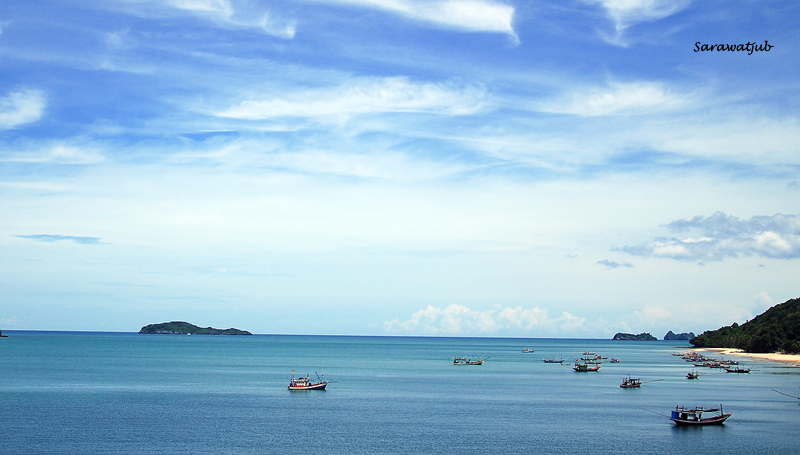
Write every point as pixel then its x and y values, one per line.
pixel 680 336
pixel 184 328
pixel 632 337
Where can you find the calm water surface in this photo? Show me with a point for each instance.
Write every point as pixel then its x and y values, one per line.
pixel 110 393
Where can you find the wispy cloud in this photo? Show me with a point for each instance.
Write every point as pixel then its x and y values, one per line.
pixel 626 13
pixel 459 319
pixel 618 98
pixel 60 238
pixel 721 236
pixel 57 154
pixel 364 96
pixel 21 107
pixel 467 15
pixel 614 264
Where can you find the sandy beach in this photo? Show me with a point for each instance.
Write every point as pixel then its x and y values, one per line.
pixel 786 358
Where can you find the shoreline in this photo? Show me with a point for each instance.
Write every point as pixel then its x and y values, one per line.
pixel 793 359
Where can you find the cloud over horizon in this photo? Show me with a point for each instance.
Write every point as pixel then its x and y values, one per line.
pixel 721 236
pixel 459 319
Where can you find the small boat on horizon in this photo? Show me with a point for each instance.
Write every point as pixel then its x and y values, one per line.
pixel 694 417
pixel 304 383
pixel 527 350
pixel 553 360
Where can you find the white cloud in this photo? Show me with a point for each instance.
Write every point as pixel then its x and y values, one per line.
pixel 364 96
pixel 618 98
pixel 468 15
pixel 21 107
pixel 722 236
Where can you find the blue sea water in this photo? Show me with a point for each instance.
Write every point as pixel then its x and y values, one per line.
pixel 125 393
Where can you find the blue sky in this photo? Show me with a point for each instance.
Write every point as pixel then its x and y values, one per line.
pixel 398 167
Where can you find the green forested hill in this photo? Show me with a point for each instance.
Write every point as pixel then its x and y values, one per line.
pixel 182 328
pixel 777 329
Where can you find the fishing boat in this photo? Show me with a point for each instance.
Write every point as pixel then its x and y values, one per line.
pixel 630 383
pixel 692 375
pixel 528 350
pixel 467 361
pixel 737 370
pixel 614 360
pixel 585 366
pixel 304 383
pixel 554 360
pixel 694 417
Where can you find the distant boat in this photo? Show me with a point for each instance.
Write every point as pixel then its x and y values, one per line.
pixel 527 350
pixel 467 361
pixel 553 360
pixel 585 366
pixel 3 336
pixel 304 383
pixel 630 383
pixel 692 375
pixel 614 360
pixel 694 417
pixel 737 370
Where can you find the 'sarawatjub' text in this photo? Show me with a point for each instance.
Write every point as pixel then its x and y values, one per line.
pixel 749 47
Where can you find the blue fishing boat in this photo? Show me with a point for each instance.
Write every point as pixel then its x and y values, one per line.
pixel 694 417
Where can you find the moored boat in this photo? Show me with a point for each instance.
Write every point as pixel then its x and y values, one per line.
pixel 737 370
pixel 528 350
pixel 692 375
pixel 585 366
pixel 630 383
pixel 553 360
pixel 304 383
pixel 694 417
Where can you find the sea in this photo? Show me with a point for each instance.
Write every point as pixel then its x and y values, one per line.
pixel 128 393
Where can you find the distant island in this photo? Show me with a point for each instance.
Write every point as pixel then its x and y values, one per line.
pixel 184 328
pixel 632 337
pixel 681 336
pixel 775 330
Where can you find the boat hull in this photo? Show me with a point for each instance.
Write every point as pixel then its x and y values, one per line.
pixel 718 420
pixel 320 386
